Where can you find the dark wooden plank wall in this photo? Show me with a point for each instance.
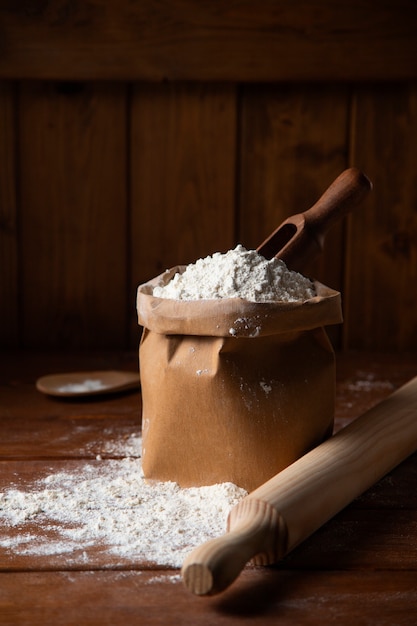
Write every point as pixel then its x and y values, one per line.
pixel 105 183
pixel 209 40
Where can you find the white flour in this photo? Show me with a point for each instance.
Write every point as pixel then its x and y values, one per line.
pixel 238 273
pixel 84 387
pixel 109 504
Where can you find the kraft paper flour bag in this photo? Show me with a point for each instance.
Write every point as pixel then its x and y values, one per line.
pixel 233 390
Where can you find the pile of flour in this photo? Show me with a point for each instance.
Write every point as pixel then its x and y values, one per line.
pixel 238 273
pixel 108 504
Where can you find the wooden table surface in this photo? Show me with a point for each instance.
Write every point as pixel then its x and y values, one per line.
pixel 360 568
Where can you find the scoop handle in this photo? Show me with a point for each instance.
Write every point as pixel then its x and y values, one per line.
pixel 346 192
pixel 288 508
pixel 300 238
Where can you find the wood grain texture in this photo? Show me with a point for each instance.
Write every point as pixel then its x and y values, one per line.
pixel 183 142
pixel 359 567
pixel 73 222
pixel 9 245
pixel 105 185
pixel 382 243
pixel 356 539
pixel 293 145
pixel 88 427
pixel 64 428
pixel 153 598
pixel 182 39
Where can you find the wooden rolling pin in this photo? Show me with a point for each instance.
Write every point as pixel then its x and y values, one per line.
pixel 280 514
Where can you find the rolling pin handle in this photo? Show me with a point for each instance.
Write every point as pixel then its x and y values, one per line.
pixel 256 531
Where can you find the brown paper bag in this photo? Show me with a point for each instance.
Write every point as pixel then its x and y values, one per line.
pixel 233 390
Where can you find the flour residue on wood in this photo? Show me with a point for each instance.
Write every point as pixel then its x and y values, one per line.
pixel 89 385
pixel 109 504
pixel 239 273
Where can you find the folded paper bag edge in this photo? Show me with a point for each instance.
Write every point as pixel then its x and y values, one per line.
pixel 234 316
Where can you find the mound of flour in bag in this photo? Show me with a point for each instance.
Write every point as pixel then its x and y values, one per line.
pixel 238 273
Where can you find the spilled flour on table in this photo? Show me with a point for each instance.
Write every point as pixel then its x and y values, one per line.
pixel 119 445
pixel 109 505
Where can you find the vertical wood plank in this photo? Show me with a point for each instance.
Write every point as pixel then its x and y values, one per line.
pixel 183 142
pixel 294 144
pixel 8 221
pixel 381 279
pixel 73 197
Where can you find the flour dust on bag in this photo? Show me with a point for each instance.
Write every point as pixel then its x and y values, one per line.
pixel 232 390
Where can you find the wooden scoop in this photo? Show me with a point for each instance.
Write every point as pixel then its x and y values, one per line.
pixel 284 511
pixel 301 237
